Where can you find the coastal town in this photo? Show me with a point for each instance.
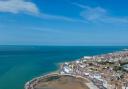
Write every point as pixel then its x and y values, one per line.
pixel 107 71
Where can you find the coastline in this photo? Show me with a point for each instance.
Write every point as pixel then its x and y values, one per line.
pixel 34 81
pixel 57 72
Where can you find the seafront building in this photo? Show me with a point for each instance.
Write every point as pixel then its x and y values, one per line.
pixel 107 71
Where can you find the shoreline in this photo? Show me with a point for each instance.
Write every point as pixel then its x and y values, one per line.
pixel 34 81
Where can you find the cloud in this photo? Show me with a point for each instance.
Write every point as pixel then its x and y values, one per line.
pixel 28 7
pixel 99 14
pixel 17 6
pixel 89 14
pixel 58 17
pixel 92 14
pixel 80 5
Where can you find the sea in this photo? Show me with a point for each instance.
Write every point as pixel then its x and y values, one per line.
pixel 19 64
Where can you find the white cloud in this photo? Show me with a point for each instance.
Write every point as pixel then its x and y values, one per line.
pixel 99 14
pixel 94 13
pixel 17 6
pixel 80 5
pixel 58 17
pixel 28 7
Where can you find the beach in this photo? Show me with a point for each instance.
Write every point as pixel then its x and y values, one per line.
pixel 19 64
pixel 105 71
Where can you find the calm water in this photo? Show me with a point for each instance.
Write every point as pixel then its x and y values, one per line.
pixel 19 64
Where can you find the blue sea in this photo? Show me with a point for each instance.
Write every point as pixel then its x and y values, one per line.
pixel 18 64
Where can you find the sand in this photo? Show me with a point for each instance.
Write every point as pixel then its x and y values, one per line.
pixel 62 82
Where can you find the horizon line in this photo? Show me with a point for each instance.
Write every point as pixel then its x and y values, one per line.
pixel 54 45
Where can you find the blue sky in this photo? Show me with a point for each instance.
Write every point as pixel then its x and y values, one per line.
pixel 63 22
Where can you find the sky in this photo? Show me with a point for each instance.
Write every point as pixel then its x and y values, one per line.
pixel 64 22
